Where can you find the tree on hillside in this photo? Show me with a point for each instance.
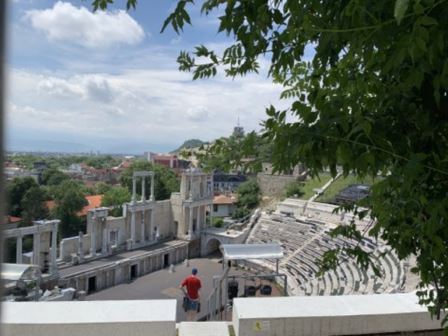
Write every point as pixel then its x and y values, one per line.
pixel 248 194
pixel 370 94
pixel 116 196
pixel 189 144
pixel 69 200
pixel 248 198
pixel 15 191
pixel 165 181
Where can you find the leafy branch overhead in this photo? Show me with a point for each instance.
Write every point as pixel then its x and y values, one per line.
pixel 367 88
pixel 371 98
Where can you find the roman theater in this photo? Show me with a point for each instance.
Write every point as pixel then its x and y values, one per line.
pixel 260 276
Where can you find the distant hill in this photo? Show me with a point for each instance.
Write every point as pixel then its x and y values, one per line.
pixel 192 143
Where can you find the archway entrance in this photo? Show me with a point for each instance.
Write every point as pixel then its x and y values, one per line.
pixel 212 247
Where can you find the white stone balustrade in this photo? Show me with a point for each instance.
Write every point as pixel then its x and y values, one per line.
pixel 89 318
pixel 331 315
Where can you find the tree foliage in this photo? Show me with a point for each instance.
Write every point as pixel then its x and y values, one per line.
pixel 242 153
pixel 53 177
pixel 69 199
pixel 248 194
pixel 165 181
pixel 15 191
pixel 116 197
pixel 294 189
pixel 63 162
pixel 33 204
pixel 102 188
pixel 372 96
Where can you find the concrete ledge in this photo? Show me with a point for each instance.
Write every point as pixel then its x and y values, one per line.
pixel 204 329
pixel 89 318
pixel 331 315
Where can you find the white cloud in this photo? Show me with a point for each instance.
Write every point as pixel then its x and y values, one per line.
pixel 137 106
pixel 87 87
pixel 65 22
pixel 199 113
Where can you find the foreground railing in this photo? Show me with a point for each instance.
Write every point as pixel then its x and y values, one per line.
pixel 89 318
pixel 385 314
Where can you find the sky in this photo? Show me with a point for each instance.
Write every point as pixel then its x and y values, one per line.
pixel 80 81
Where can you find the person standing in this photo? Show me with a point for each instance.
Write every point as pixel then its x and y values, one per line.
pixel 191 286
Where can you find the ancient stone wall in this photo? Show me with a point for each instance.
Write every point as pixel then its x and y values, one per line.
pixel 274 185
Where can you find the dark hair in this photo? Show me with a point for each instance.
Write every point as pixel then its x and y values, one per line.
pixel 194 271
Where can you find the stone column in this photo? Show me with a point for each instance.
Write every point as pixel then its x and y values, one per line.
pixel 19 250
pixel 133 225
pixel 93 238
pixel 36 249
pixel 190 221
pixel 210 214
pixel 134 188
pixel 104 241
pixel 152 188
pixel 143 189
pixel 191 186
pixel 54 243
pixel 151 225
pixel 81 245
pixel 142 230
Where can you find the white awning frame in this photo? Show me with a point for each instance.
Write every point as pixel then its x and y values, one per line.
pixel 14 272
pixel 251 251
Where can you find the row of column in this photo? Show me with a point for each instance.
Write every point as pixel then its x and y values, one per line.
pixel 134 189
pixel 142 225
pixel 36 248
pixel 191 214
pixel 200 189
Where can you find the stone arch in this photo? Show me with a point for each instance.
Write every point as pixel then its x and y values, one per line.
pixel 212 246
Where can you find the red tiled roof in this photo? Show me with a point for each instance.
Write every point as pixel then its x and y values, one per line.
pixel 163 156
pixel 224 199
pixel 125 164
pixel 94 201
pixel 12 219
pixel 50 205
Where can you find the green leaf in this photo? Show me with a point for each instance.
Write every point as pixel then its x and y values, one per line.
pixel 401 7
pixel 427 21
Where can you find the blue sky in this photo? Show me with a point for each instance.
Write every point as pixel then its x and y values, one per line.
pixel 108 81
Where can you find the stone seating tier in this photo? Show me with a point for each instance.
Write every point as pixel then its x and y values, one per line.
pixel 306 240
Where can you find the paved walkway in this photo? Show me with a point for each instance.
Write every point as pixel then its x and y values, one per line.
pixel 164 285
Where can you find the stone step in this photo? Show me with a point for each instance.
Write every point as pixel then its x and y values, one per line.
pixel 204 329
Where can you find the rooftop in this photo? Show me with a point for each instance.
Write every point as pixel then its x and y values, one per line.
pixel 224 199
pixel 94 201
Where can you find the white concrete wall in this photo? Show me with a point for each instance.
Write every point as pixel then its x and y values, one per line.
pixel 89 318
pixel 70 245
pixel 163 218
pixel 331 315
pixel 176 210
pixel 224 210
pixel 114 224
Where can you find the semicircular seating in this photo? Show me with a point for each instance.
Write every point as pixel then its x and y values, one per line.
pixel 305 240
